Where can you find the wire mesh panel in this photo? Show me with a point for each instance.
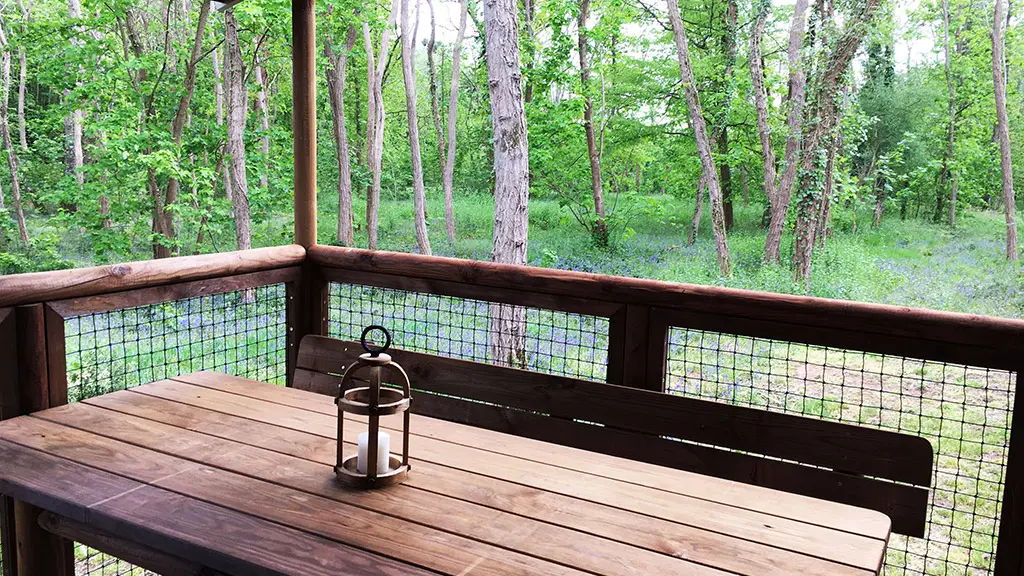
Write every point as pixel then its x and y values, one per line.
pixel 965 412
pixel 241 333
pixel 553 342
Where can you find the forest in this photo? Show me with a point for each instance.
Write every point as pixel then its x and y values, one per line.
pixel 858 149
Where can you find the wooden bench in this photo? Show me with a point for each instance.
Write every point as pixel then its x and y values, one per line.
pixel 865 467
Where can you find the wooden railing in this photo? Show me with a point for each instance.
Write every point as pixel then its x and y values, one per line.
pixel 641 317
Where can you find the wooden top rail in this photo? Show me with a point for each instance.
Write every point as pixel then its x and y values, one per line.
pixel 995 342
pixel 64 284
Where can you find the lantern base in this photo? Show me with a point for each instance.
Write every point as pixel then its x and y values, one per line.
pixel 347 474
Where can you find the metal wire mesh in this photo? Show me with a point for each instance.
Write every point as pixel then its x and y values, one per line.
pixel 964 411
pixel 553 342
pixel 241 333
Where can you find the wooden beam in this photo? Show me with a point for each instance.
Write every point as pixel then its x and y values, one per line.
pixel 39 553
pixel 1010 547
pixel 63 284
pixel 304 118
pixel 990 342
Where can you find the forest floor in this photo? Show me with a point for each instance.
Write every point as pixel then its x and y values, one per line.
pixel 909 262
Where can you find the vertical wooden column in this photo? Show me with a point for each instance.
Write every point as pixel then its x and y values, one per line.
pixel 629 333
pixel 39 553
pixel 9 407
pixel 304 119
pixel 1010 547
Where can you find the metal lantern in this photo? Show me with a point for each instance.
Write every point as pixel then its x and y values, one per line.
pixel 373 466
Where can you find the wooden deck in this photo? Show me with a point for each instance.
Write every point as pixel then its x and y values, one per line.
pixel 237 475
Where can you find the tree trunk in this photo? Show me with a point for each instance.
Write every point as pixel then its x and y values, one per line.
pixel 698 213
pixel 5 134
pixel 336 71
pixel 22 78
pixel 876 217
pixel 825 211
pixel 948 175
pixel 822 118
pixel 264 111
pixel 435 105
pixel 375 120
pixel 528 24
pixel 796 98
pixel 701 135
pixel 729 51
pixel 600 230
pixel 1003 132
pixel 73 122
pixel 448 177
pixel 419 197
pixel 219 90
pixel 511 170
pixel 237 111
pixel 761 100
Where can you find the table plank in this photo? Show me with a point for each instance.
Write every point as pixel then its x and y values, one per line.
pixel 822 542
pixel 540 539
pixel 725 552
pixel 362 528
pixel 775 502
pixel 218 538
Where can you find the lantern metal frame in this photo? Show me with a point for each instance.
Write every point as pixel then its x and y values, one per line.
pixel 373 401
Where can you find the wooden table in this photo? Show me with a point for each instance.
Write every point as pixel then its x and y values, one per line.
pixel 236 475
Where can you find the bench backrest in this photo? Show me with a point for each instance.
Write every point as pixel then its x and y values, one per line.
pixel 865 467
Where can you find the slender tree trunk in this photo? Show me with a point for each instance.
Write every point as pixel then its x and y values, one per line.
pixel 219 91
pixel 600 230
pixel 73 122
pixel 825 211
pixel 409 76
pixel 435 105
pixel 237 111
pixel 822 118
pixel 511 170
pixel 698 213
pixel 1003 132
pixel 729 51
pixel 948 175
pixel 701 135
pixel 22 78
pixel 761 100
pixel 796 98
pixel 375 120
pixel 5 134
pixel 336 71
pixel 528 25
pixel 264 110
pixel 448 177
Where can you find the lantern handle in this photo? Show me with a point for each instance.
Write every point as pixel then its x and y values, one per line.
pixel 375 351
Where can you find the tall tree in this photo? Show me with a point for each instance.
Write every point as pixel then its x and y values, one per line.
pixel 795 102
pixel 263 107
pixel 700 132
pixel 948 174
pixel 435 99
pixel 821 118
pixel 448 177
pixel 761 99
pixel 337 65
pixel 419 196
pixel 600 229
pixel 1003 131
pixel 22 79
pixel 73 121
pixel 721 131
pixel 375 119
pixel 5 135
pixel 237 111
pixel 511 170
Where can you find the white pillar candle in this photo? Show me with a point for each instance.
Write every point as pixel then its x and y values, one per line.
pixel 383 452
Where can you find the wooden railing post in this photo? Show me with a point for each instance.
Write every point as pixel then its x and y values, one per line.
pixel 306 311
pixel 629 332
pixel 304 119
pixel 9 407
pixel 1009 559
pixel 39 553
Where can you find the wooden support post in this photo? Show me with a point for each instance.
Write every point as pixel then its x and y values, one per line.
pixel 657 351
pixel 304 119
pixel 56 358
pixel 306 313
pixel 39 553
pixel 9 407
pixel 1009 553
pixel 628 334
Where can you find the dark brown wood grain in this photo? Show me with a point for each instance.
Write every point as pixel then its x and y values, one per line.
pixel 628 345
pixel 33 380
pixel 8 542
pixel 810 441
pixel 65 284
pixel 10 404
pixel 517 297
pixel 56 358
pixel 1010 548
pixel 171 292
pixel 996 339
pixel 136 554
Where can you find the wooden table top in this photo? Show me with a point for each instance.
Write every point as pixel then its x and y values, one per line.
pixel 237 475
